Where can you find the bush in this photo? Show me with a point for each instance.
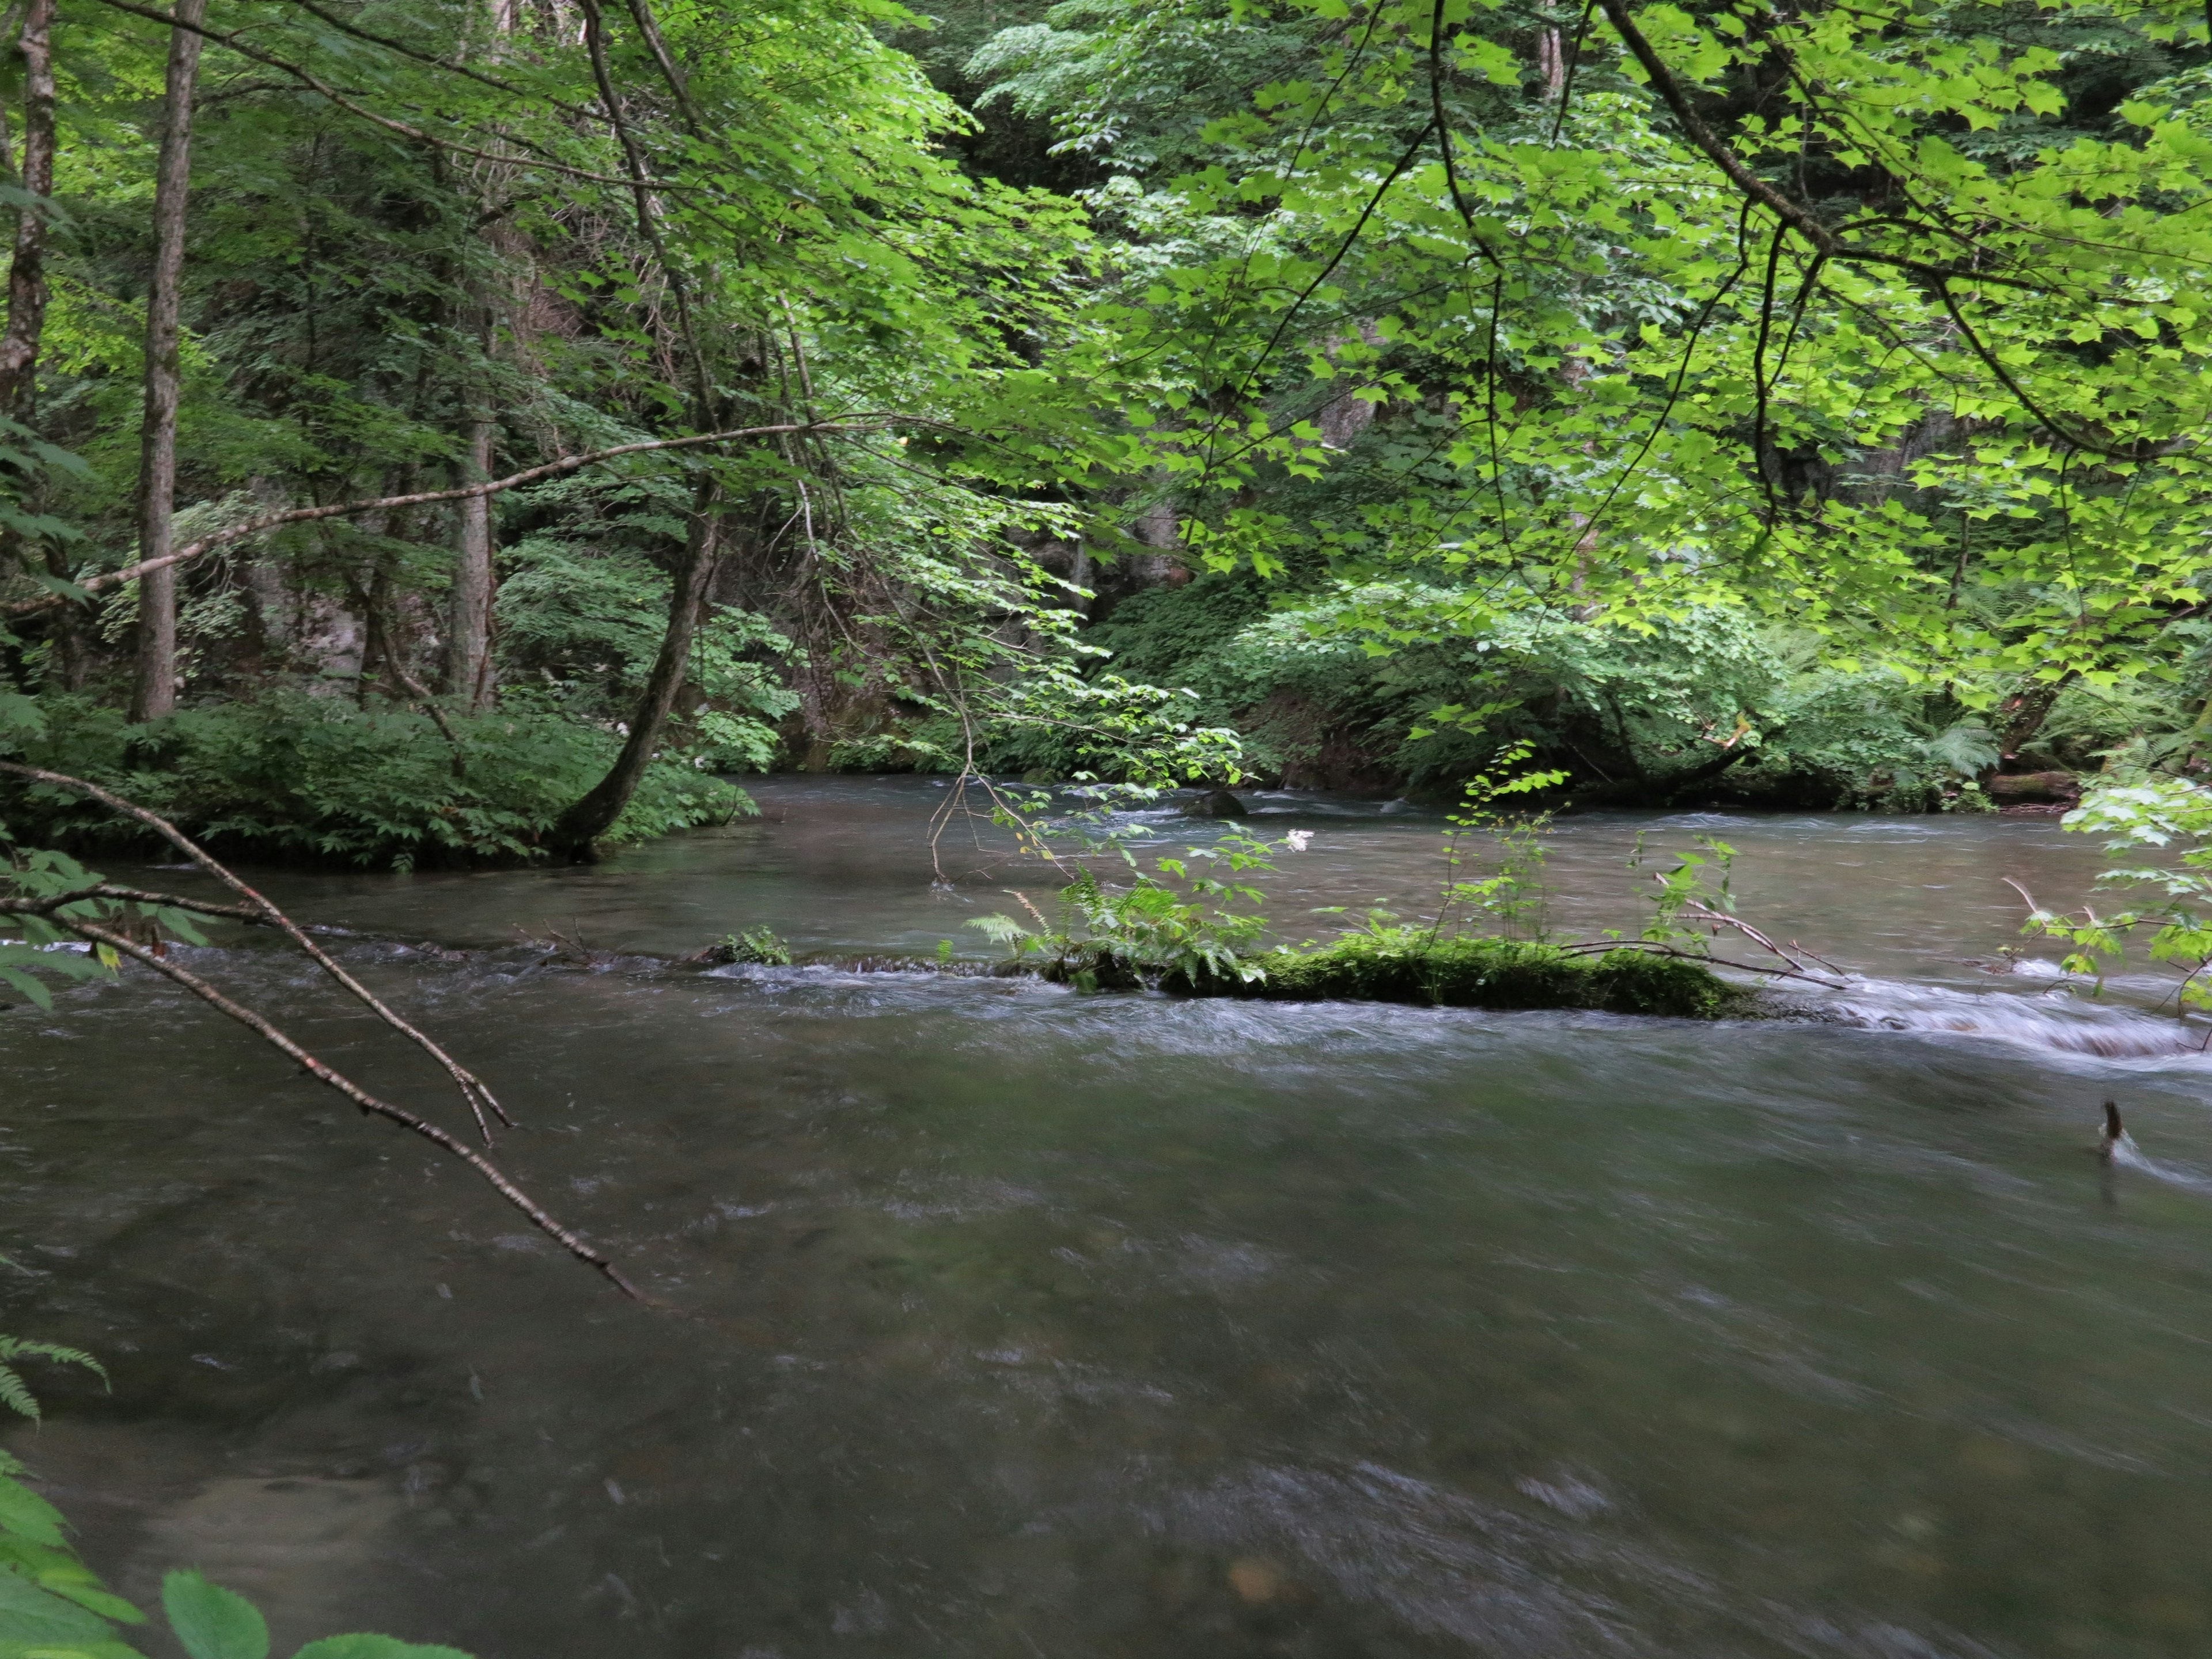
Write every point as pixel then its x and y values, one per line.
pixel 316 780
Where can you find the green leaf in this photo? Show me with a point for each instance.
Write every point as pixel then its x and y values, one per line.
pixel 374 1647
pixel 31 1618
pixel 25 1515
pixel 212 1622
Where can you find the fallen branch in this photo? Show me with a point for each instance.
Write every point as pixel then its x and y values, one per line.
pixel 1721 919
pixel 848 423
pixel 473 1090
pixel 368 1102
pixel 250 917
pixel 1654 947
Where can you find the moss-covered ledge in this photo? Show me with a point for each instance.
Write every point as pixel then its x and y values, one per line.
pixel 1486 973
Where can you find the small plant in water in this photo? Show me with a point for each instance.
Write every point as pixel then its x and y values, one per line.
pixel 1149 930
pixel 2143 811
pixel 1698 887
pixel 758 947
pixel 1513 899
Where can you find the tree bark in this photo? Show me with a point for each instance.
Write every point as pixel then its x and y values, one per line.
pixel 468 621
pixel 2022 714
pixel 156 694
pixel 582 824
pixel 27 274
pixel 26 312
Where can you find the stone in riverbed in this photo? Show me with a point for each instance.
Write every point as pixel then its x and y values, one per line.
pixel 1218 804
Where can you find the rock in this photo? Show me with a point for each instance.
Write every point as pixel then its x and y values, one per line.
pixel 1219 804
pixel 2024 788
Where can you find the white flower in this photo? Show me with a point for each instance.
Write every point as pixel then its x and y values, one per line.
pixel 1297 839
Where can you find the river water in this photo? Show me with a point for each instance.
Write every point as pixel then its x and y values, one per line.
pixel 1003 1321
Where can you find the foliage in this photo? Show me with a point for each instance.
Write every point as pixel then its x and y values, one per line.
pixel 1874 327
pixel 1699 883
pixel 15 1394
pixel 754 947
pixel 1151 931
pixel 2143 811
pixel 1512 897
pixel 318 779
pixel 35 877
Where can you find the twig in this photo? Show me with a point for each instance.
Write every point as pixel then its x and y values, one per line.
pixel 235 42
pixel 871 423
pixel 1653 947
pixel 471 1087
pixel 1721 917
pixel 360 1096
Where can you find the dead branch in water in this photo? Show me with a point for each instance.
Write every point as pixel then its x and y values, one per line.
pixel 1705 913
pixel 1656 948
pixel 368 1103
pixel 473 1090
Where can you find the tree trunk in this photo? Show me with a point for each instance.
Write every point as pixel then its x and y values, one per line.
pixel 27 275
pixel 582 824
pixel 2022 714
pixel 468 622
pixel 26 314
pixel 157 451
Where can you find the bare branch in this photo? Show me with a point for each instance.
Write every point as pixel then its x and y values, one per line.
pixel 472 1088
pixel 1721 919
pixel 843 423
pixel 231 41
pixel 368 1102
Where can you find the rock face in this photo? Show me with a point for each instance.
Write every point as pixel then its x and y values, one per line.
pixel 1219 804
pixel 2034 788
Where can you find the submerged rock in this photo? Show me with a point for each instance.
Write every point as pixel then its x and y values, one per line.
pixel 1219 804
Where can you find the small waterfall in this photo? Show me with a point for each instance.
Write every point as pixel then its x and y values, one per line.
pixel 2052 1020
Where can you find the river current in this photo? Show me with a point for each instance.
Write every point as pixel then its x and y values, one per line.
pixel 1001 1320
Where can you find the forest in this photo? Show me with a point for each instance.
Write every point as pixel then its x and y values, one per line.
pixel 447 443
pixel 528 419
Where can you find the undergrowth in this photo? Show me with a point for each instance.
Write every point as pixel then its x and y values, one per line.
pixel 316 780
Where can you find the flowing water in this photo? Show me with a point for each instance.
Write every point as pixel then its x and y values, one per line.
pixel 1009 1321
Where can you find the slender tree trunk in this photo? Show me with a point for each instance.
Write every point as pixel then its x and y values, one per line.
pixel 591 817
pixel 27 274
pixel 157 452
pixel 468 621
pixel 26 312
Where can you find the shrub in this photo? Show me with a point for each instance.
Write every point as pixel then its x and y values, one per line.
pixel 316 780
pixel 758 947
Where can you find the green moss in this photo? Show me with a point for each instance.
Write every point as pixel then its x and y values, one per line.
pixel 1488 973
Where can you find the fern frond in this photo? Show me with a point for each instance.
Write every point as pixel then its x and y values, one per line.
pixel 15 1392
pixel 16 1396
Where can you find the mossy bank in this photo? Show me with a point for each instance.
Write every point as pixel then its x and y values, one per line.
pixel 1481 973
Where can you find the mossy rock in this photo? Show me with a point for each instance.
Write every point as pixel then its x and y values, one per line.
pixel 1487 973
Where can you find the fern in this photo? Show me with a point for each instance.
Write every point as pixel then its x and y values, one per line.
pixel 15 1392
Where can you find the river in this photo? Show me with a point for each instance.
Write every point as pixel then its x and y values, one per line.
pixel 1004 1321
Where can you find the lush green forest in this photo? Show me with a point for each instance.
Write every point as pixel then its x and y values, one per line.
pixel 444 433
pixel 448 432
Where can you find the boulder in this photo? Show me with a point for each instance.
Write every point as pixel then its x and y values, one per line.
pixel 1217 804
